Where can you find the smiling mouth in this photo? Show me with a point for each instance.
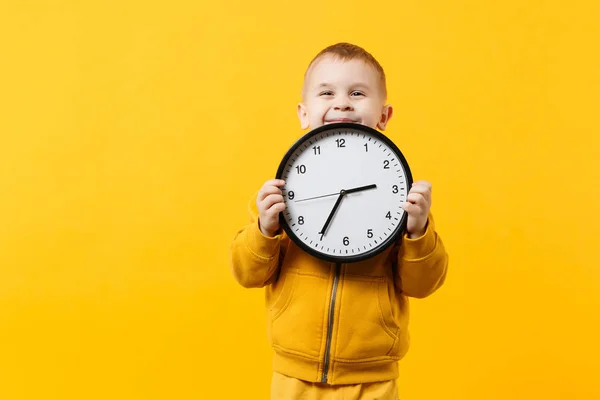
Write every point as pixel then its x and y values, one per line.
pixel 331 121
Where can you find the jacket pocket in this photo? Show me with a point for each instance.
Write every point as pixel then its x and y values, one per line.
pixel 297 314
pixel 367 328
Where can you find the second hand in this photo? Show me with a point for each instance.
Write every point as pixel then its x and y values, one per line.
pixel 318 197
pixel 348 191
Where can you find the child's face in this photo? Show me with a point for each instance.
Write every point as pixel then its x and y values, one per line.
pixel 343 91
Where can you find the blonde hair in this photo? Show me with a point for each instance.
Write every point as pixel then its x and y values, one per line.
pixel 347 51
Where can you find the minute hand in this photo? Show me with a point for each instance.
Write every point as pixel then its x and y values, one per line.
pixel 335 207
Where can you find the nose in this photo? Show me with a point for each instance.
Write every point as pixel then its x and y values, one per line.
pixel 343 106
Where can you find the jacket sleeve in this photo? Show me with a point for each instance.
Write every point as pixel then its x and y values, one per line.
pixel 253 257
pixel 422 263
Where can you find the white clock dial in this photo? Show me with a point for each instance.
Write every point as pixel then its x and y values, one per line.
pixel 356 171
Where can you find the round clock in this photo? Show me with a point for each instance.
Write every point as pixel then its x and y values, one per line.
pixel 344 188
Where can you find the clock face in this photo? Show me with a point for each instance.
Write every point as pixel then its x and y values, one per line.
pixel 345 185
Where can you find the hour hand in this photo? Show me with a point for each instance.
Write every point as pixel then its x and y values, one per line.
pixel 360 188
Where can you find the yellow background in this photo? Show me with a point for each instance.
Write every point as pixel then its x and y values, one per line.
pixel 133 133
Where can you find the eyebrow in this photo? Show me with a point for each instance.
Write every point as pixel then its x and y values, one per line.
pixel 357 84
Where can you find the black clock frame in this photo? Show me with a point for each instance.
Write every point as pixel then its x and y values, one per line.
pixel 400 229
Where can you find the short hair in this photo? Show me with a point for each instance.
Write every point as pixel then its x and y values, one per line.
pixel 347 51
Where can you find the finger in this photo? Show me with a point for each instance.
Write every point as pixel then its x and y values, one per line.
pixel 422 183
pixel 411 209
pixel 274 182
pixel 423 191
pixel 419 189
pixel 416 198
pixel 276 209
pixel 270 200
pixel 267 190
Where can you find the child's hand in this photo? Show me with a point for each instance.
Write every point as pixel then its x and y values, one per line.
pixel 417 207
pixel 270 204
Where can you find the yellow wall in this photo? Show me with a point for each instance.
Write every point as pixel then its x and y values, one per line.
pixel 132 134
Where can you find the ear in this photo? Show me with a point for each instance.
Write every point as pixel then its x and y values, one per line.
pixel 303 115
pixel 386 114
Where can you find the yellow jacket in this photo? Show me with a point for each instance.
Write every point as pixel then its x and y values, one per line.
pixel 337 323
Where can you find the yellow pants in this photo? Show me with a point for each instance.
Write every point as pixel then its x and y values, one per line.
pixel 286 388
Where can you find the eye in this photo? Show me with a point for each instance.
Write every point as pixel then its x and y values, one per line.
pixel 357 93
pixel 326 93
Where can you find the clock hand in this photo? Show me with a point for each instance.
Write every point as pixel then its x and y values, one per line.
pixel 339 200
pixel 360 189
pixel 317 197
pixel 335 207
pixel 354 190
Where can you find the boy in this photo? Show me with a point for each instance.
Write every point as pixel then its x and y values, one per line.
pixel 343 83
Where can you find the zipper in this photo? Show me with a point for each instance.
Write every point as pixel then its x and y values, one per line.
pixel 330 323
